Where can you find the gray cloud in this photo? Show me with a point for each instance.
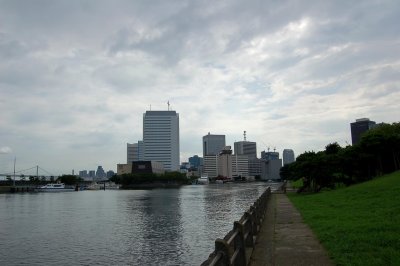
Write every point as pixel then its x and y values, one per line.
pixel 76 76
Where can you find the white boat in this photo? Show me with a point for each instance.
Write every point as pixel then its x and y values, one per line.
pixel 203 180
pixel 54 187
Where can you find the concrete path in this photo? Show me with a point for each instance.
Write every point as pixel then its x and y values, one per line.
pixel 285 240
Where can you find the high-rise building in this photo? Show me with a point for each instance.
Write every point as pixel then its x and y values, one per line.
pixel 255 167
pixel 270 165
pixel 210 168
pixel 83 173
pixel 225 162
pixel 213 144
pixel 161 138
pixel 240 166
pixel 135 151
pixel 270 169
pixel 195 161
pixel 360 127
pixel 269 155
pixel 288 156
pixel 100 172
pixel 248 148
pixel 92 173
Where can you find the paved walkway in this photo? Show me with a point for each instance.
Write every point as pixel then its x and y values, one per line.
pixel 285 240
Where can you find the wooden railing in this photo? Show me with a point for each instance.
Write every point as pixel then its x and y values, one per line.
pixel 236 247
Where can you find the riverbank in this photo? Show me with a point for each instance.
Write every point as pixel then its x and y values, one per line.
pixel 358 225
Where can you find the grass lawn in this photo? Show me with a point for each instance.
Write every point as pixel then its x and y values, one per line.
pixel 358 225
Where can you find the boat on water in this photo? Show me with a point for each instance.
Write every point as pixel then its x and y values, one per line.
pixel 203 180
pixel 54 187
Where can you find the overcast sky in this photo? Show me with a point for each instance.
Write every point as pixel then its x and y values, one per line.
pixel 77 76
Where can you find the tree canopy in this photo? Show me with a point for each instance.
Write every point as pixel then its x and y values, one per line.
pixel 377 153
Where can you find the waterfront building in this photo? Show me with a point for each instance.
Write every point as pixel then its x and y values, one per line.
pixel 225 162
pixel 270 169
pixel 161 138
pixel 213 144
pixel 270 165
pixel 141 167
pixel 288 156
pixel 195 161
pixel 135 151
pixel 210 167
pixel 240 166
pixel 359 127
pixel 248 148
pixel 255 167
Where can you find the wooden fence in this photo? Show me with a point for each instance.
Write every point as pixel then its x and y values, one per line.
pixel 236 247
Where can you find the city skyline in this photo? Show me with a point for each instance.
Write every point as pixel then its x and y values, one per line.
pixel 293 74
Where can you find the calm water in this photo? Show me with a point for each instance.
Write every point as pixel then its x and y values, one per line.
pixel 135 227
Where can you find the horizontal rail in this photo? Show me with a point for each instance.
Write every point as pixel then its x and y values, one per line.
pixel 236 247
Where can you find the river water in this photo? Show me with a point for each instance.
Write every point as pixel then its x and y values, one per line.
pixel 120 227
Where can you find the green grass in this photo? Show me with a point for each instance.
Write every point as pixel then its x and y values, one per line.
pixel 358 225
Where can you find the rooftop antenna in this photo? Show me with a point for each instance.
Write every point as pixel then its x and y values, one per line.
pixel 268 149
pixel 150 107
pixel 168 105
pixel 274 149
pixel 244 134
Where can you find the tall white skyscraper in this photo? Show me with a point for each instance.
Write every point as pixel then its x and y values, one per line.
pixel 161 138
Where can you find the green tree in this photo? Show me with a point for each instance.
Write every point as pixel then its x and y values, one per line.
pixel 69 179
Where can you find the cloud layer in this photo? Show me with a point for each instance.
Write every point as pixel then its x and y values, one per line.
pixel 76 76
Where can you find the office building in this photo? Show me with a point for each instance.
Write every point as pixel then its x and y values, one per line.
pixel 83 173
pixel 141 167
pixel 213 144
pixel 161 138
pixel 359 127
pixel 210 167
pixel 100 174
pixel 92 173
pixel 240 166
pixel 288 156
pixel 269 155
pixel 255 167
pixel 248 148
pixel 270 169
pixel 195 161
pixel 135 151
pixel 225 162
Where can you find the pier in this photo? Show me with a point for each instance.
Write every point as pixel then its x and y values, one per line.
pixel 271 232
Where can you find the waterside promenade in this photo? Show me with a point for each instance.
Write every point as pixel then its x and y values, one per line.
pixel 285 240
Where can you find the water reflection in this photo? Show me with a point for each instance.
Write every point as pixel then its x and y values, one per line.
pixel 138 227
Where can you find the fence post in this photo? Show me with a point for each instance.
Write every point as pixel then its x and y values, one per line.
pixel 249 241
pixel 240 244
pixel 222 247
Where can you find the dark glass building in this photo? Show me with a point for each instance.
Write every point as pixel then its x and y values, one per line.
pixel 360 127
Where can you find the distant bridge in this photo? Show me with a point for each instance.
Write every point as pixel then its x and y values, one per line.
pixel 26 173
